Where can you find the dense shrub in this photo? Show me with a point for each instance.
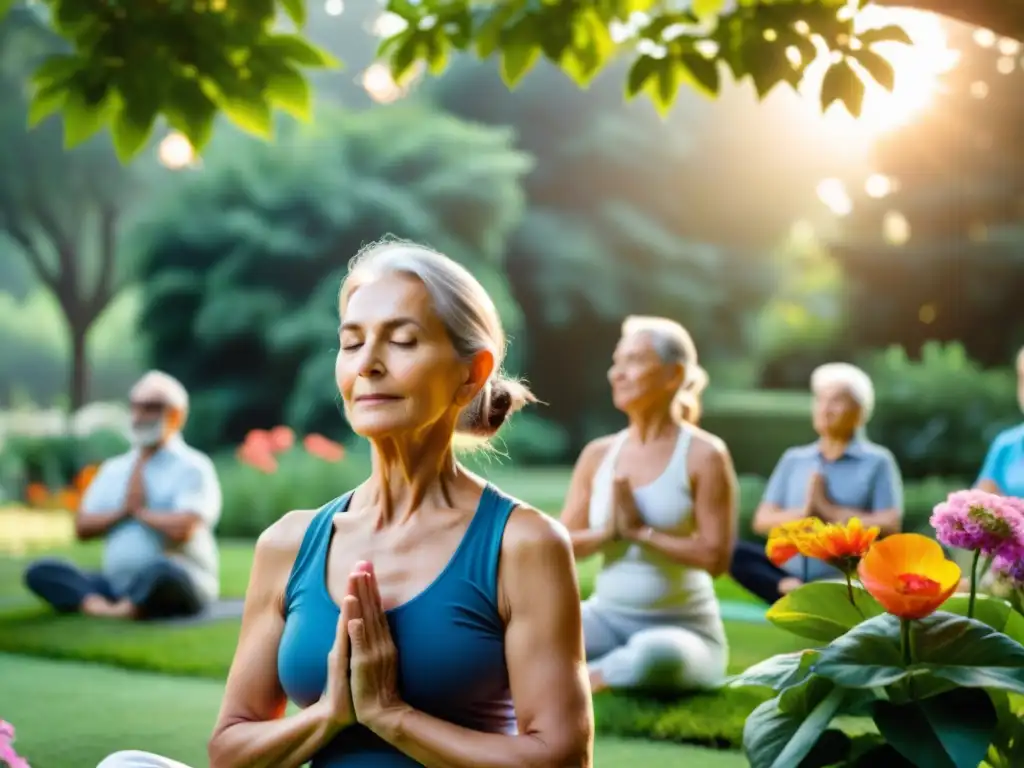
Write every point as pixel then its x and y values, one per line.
pixel 758 425
pixel 253 499
pixel 53 461
pixel 939 414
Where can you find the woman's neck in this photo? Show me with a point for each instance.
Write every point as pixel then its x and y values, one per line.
pixel 409 471
pixel 653 424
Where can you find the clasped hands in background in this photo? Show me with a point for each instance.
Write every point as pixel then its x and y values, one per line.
pixel 625 521
pixel 818 503
pixel 362 668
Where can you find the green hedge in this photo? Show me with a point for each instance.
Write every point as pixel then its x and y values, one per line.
pixel 758 426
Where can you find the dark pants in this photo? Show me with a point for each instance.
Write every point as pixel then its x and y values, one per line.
pixel 753 571
pixel 160 591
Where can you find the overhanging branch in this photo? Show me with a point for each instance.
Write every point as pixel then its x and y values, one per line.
pixel 1004 17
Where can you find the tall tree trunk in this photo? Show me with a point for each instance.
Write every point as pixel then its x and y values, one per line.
pixel 78 384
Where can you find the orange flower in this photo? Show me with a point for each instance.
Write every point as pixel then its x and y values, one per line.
pixel 37 495
pixel 323 448
pixel 841 546
pixel 785 541
pixel 69 499
pixel 909 575
pixel 84 478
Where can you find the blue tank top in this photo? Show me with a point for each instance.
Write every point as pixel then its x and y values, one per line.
pixel 450 638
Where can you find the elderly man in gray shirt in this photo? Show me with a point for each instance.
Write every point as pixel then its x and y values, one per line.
pixel 840 476
pixel 156 506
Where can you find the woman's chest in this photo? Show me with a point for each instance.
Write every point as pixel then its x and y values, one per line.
pixel 450 651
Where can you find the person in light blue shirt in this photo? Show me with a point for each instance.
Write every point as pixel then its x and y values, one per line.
pixel 1003 470
pixel 840 476
pixel 156 507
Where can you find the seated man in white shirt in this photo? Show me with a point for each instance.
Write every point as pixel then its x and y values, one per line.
pixel 156 507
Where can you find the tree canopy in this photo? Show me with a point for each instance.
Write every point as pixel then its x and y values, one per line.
pixel 129 63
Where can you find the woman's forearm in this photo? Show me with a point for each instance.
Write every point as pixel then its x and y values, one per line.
pixel 437 743
pixel 691 551
pixel 286 743
pixel 587 542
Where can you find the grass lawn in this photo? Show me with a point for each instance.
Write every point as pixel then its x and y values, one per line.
pixel 192 661
pixel 94 710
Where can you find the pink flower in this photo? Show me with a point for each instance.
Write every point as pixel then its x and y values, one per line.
pixel 1010 567
pixel 8 756
pixel 980 521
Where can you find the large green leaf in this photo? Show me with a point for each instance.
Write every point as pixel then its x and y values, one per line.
pixel 777 672
pixel 952 730
pixel 950 647
pixel 994 611
pixel 868 656
pixel 822 611
pixel 969 653
pixel 773 738
pixel 842 83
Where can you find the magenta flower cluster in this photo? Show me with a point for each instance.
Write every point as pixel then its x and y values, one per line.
pixel 982 522
pixel 8 756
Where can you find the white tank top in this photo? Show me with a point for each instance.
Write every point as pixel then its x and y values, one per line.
pixel 634 577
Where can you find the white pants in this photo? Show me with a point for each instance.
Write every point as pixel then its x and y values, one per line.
pixel 638 652
pixel 132 758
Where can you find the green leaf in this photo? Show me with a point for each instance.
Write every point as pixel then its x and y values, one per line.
pixel 950 647
pixel 489 31
pixel 251 114
pixel 868 656
pixel 190 111
pixel 968 652
pixel 641 71
pixel 952 730
pixel 57 68
pixel 777 672
pixel 296 10
pixel 877 66
pixel 436 45
pixel 296 49
pixel 129 133
pixel 701 72
pixel 45 101
pixel 822 611
pixel 890 33
pixel 842 84
pixel 289 90
pixel 703 9
pixel 993 611
pixel 520 50
pixel 404 52
pixel 82 117
pixel 5 6
pixel 776 739
pixel 664 86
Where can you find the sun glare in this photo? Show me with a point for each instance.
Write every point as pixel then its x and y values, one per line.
pixel 918 71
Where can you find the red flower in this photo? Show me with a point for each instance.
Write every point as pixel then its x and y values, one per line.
pixel 323 448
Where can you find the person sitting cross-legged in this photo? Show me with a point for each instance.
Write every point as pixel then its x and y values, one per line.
pixel 840 476
pixel 155 507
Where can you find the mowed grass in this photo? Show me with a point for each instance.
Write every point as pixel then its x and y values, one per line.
pixel 197 658
pixel 173 717
pixel 92 711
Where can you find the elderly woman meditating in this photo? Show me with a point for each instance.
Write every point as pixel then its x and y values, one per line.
pixel 423 618
pixel 657 502
pixel 839 476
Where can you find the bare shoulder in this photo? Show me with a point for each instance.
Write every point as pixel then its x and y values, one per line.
pixel 593 453
pixel 278 545
pixel 532 537
pixel 708 450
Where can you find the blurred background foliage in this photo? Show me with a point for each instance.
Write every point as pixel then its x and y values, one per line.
pixel 781 238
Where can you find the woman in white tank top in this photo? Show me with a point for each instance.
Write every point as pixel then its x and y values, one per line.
pixel 657 502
